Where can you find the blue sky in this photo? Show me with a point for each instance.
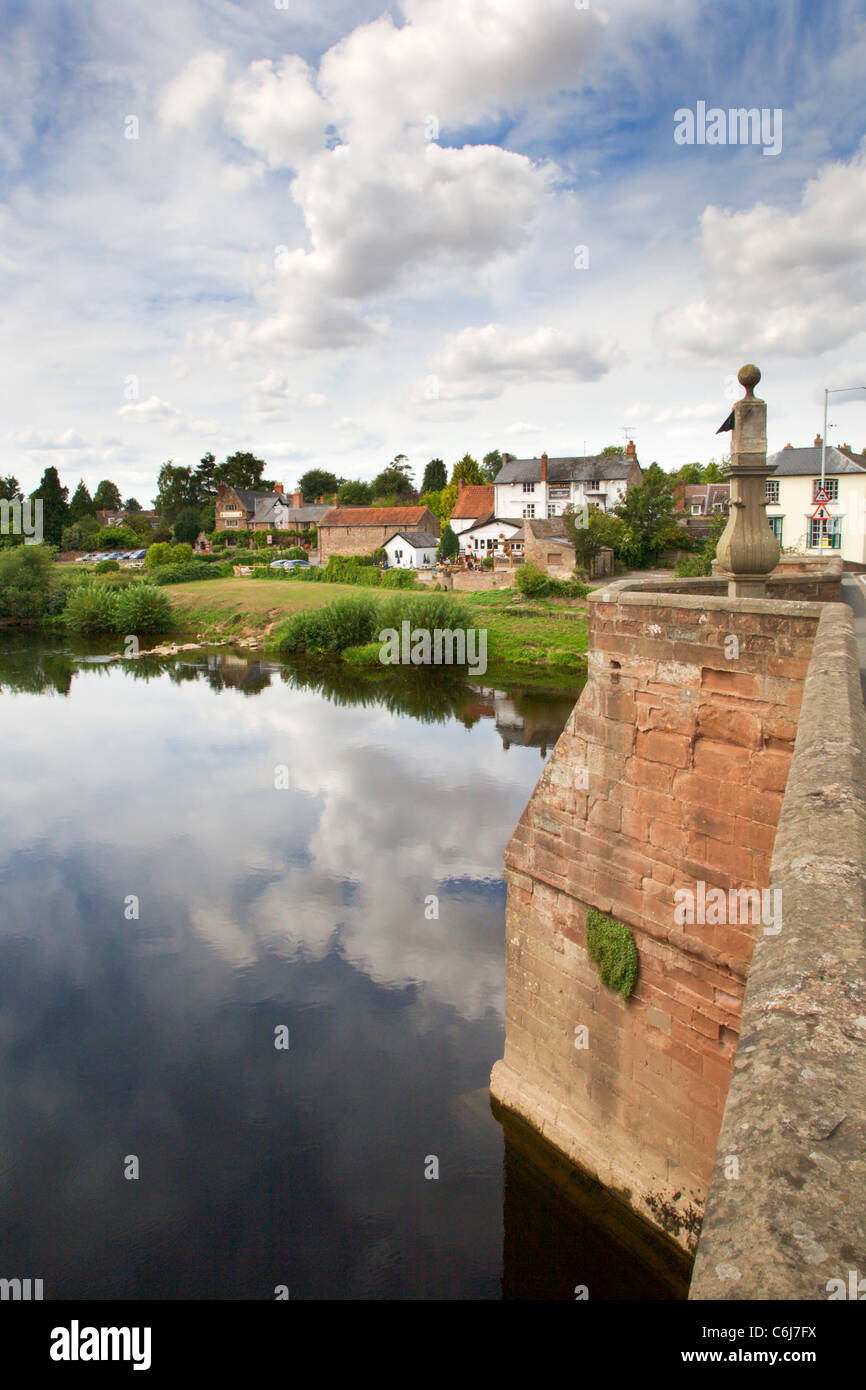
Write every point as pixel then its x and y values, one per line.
pixel 283 259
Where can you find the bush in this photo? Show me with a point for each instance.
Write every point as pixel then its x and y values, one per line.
pixel 399 579
pixel 531 581
pixel 295 552
pixel 610 944
pixel 91 608
pixel 348 622
pixel 142 608
pixel 181 553
pixel 188 573
pixel 106 566
pixel 27 587
pixel 158 554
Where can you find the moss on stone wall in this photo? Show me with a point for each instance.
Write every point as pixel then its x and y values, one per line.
pixel 610 945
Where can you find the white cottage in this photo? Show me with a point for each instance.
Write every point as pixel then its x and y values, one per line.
pixel 793 491
pixel 411 549
pixel 535 489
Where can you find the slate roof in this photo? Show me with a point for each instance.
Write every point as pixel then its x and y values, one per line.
pixel 493 521
pixel 806 463
pixel 474 501
pixel 373 516
pixel 564 470
pixel 547 528
pixel 419 540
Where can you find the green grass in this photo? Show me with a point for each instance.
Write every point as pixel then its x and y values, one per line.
pixel 522 633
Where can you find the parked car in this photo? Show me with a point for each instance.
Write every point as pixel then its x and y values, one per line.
pixel 279 564
pixel 296 564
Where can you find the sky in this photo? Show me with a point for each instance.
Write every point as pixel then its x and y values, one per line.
pixel 334 231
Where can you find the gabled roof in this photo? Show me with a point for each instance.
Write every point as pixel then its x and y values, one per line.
pixel 564 470
pixel 474 501
pixel 419 540
pixel 806 463
pixel 374 516
pixel 492 521
pixel 548 529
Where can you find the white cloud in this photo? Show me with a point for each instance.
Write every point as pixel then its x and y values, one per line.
pixel 475 355
pixel 790 282
pixel 150 410
pixel 37 440
pixel 276 111
pixel 196 88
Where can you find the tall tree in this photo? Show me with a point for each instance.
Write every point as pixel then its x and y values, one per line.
pixel 468 471
pixel 55 506
pixel 648 513
pixel 204 477
pixel 10 489
pixel 82 503
pixel 491 465
pixel 131 504
pixel 176 489
pixel 354 493
pixel 449 545
pixel 187 525
pixel 318 482
pixel 107 497
pixel 435 476
pixel 395 480
pixel 242 470
pixel 613 451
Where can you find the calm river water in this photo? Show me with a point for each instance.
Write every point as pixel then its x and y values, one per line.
pixel 200 858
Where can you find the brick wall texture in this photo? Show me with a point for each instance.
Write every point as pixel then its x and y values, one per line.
pixel 669 772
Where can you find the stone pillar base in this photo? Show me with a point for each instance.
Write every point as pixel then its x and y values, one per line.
pixel 748 586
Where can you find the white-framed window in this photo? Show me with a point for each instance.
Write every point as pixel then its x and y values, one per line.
pixel 551 509
pixel 773 490
pixel 831 487
pixel 529 487
pixel 696 509
pixel 529 510
pixel 831 528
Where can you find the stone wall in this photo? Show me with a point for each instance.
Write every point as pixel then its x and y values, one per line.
pixel 669 773
pixel 785 1214
pixel 352 540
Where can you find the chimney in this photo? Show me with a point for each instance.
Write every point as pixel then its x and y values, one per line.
pixel 278 487
pixel 297 498
pixel 544 468
pixel 788 446
pixel 818 442
pixel 630 450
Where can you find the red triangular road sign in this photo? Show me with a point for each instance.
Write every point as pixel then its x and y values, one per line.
pixel 821 513
pixel 821 495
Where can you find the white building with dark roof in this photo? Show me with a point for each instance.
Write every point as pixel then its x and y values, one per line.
pixel 535 489
pixel 792 500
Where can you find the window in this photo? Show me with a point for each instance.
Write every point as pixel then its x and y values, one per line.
pixel 776 526
pixel 529 487
pixel 551 509
pixel 773 490
pixel 831 487
pixel 696 509
pixel 529 510
pixel 231 523
pixel 831 528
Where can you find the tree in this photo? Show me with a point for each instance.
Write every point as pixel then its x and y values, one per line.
pixel 491 465
pixel 187 525
pixel 318 482
pixel 395 481
pixel 203 477
pixel 648 513
pixel 242 470
pixel 449 545
pixel 613 451
pixel 158 554
pixel 55 507
pixel 82 503
pixel 467 471
pixel 10 489
pixel 107 497
pixel 435 476
pixel 131 504
pixel 176 489
pixel 713 473
pixel 354 493
pixel 140 526
pixel 590 532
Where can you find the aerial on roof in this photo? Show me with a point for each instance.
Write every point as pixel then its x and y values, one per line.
pixel 806 463
pixel 474 501
pixel 373 516
pixel 564 470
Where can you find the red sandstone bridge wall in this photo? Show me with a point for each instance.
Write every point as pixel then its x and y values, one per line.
pixel 669 772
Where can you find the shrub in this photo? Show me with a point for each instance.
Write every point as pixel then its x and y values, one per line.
pixel 27 587
pixel 347 622
pixel 399 579
pixel 106 566
pixel 610 944
pixel 158 554
pixel 531 581
pixel 294 552
pixel 188 573
pixel 91 608
pixel 181 553
pixel 142 608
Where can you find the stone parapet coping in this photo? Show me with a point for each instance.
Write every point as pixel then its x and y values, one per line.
pixel 786 1215
pixel 643 593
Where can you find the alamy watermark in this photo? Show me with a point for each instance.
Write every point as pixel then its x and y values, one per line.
pixel 715 908
pixel 19 518
pixel 738 126
pixel 442 647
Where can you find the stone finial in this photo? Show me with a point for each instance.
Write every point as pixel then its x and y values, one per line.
pixel 748 377
pixel 748 548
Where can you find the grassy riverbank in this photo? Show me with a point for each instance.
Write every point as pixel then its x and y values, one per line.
pixel 523 634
